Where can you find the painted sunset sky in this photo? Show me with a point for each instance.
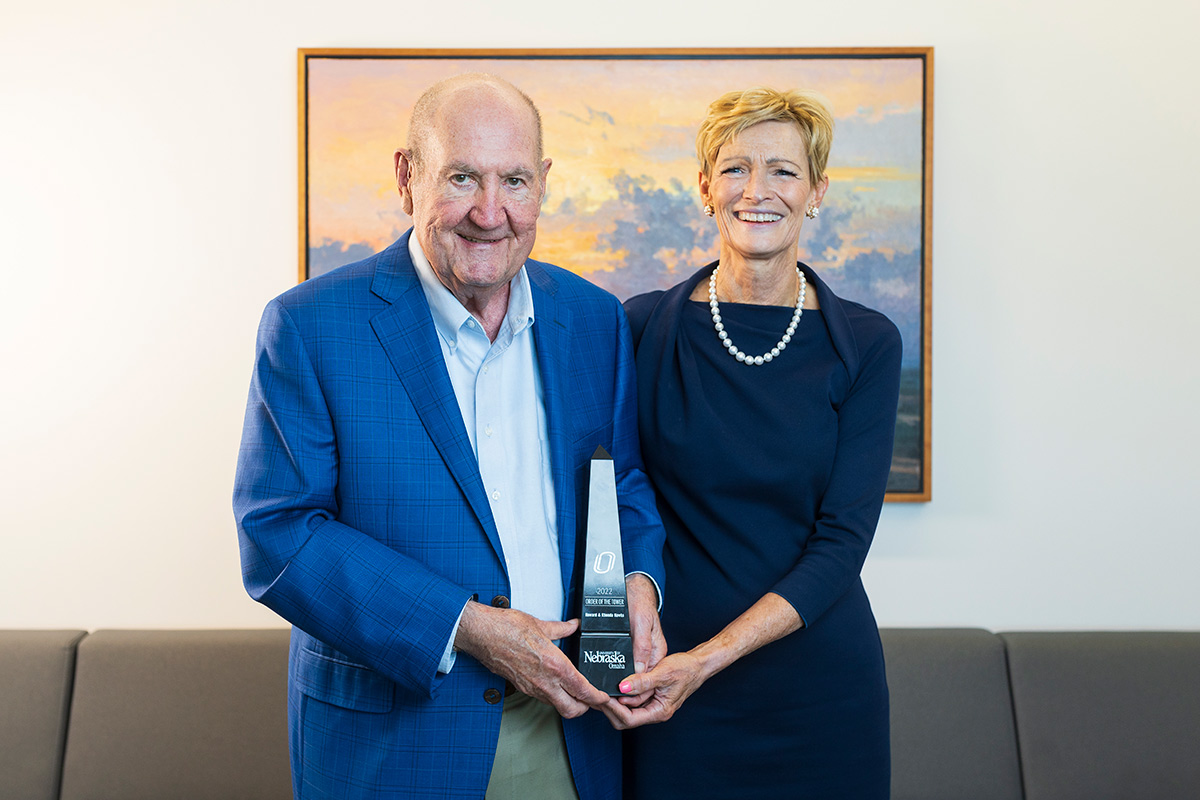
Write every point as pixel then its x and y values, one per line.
pixel 622 207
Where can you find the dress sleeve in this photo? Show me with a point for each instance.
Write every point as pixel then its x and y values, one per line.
pixel 849 509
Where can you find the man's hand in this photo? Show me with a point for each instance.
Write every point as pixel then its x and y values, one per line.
pixel 521 649
pixel 649 646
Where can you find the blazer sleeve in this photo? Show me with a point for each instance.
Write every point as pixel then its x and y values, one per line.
pixel 850 507
pixel 340 585
pixel 642 532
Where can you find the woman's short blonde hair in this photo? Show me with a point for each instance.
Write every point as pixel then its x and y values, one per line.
pixel 734 112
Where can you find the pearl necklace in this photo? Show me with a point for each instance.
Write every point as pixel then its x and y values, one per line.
pixel 728 344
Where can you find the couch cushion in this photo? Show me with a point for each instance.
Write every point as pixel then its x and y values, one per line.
pixel 1107 714
pixel 184 715
pixel 36 668
pixel 952 721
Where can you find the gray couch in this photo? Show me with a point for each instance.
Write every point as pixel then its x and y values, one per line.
pixel 193 715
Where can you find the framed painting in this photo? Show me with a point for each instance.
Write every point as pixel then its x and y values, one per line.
pixel 623 207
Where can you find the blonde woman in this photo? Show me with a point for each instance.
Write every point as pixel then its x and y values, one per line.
pixel 766 407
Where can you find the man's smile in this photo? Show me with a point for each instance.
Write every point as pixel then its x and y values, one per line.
pixel 477 240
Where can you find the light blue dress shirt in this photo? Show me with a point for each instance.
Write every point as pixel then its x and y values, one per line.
pixel 499 391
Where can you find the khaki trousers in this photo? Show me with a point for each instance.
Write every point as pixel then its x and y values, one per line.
pixel 531 756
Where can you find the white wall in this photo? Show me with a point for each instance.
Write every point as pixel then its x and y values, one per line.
pixel 147 212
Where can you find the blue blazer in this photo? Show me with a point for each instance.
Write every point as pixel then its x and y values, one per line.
pixel 363 521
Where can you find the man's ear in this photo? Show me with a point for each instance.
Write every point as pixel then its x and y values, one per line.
pixel 404 176
pixel 545 171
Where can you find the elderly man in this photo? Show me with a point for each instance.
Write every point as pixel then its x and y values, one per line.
pixel 411 481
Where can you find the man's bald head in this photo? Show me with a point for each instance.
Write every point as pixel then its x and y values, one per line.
pixel 473 179
pixel 462 87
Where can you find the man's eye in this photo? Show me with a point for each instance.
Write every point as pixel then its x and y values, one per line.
pixel 460 178
pixel 514 182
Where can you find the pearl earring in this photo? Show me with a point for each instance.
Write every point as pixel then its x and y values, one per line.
pixel 709 211
pixel 812 212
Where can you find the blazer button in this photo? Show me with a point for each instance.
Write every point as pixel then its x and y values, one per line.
pixel 500 601
pixel 493 696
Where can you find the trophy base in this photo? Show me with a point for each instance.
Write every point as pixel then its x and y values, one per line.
pixel 605 659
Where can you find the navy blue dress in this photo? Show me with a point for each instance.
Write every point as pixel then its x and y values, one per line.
pixel 769 479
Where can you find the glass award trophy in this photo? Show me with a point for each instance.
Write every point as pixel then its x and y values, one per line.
pixel 605 646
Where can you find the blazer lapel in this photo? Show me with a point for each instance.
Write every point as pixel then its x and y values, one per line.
pixel 552 338
pixel 405 330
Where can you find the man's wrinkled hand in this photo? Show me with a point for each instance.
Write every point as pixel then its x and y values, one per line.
pixel 521 649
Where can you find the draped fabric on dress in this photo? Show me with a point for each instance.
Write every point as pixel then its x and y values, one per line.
pixel 770 479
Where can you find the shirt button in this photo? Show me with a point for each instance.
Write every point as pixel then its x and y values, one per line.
pixel 493 696
pixel 495 494
pixel 485 369
pixel 470 323
pixel 500 601
pixel 488 430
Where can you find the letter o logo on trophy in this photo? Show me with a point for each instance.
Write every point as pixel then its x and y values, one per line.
pixel 604 562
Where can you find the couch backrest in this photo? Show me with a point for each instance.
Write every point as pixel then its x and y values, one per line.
pixel 1107 715
pixel 36 671
pixel 185 715
pixel 952 723
pixel 193 715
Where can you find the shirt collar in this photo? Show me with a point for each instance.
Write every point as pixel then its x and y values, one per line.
pixel 449 315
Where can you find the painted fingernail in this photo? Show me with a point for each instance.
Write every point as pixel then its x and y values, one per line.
pixel 626 687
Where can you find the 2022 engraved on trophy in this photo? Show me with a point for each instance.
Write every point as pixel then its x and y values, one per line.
pixel 605 646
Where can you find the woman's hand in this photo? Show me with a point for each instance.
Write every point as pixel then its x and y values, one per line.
pixel 649 646
pixel 656 695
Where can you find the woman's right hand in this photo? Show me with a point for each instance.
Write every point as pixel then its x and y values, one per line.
pixel 670 683
pixel 680 674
